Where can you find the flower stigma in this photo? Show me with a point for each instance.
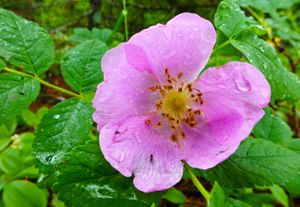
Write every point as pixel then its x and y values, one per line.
pixel 179 103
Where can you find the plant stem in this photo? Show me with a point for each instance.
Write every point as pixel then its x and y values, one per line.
pixel 17 72
pixel 197 183
pixel 57 88
pixel 116 27
pixel 124 12
pixel 223 45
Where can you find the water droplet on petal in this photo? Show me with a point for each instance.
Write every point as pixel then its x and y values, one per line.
pixel 242 85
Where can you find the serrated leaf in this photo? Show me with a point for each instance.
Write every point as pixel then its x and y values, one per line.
pixel 24 43
pixel 85 179
pixel 81 65
pixel 23 193
pixel 272 128
pixel 230 19
pixel 83 34
pixel 259 162
pixel 16 94
pixel 66 125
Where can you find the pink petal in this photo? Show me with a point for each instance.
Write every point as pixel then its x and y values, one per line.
pixel 133 147
pixel 184 44
pixel 237 80
pixel 233 96
pixel 125 90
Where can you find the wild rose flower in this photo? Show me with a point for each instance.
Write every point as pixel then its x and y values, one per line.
pixel 153 111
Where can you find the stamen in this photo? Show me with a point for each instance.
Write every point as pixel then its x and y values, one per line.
pixel 159 124
pixel 174 138
pixel 148 122
pixel 176 104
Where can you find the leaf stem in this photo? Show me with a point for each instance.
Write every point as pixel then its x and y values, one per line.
pixel 41 81
pixel 223 45
pixel 197 183
pixel 124 12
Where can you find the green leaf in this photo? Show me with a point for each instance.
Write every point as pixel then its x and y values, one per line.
pixel 267 6
pixel 236 203
pixel 85 179
pixel 25 44
pixel 17 161
pixel 81 66
pixel 16 94
pixel 175 196
pixel 4 142
pixel 10 162
pixel 83 34
pixel 259 162
pixel 29 118
pixel 217 197
pixel 231 20
pixel 8 128
pixel 293 144
pixel 2 64
pixel 66 125
pixel 272 128
pixel 23 193
pixel 280 195
pixel 258 199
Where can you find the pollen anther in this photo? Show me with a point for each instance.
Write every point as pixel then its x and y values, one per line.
pixel 176 104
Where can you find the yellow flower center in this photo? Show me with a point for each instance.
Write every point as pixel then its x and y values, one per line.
pixel 179 103
pixel 175 103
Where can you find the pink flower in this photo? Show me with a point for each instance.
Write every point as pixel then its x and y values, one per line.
pixel 153 111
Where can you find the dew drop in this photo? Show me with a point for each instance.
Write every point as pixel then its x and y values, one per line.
pixel 49 158
pixel 242 85
pixel 56 116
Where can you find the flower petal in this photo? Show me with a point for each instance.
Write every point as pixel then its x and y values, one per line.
pixel 125 91
pixel 134 147
pixel 237 80
pixel 233 96
pixel 184 44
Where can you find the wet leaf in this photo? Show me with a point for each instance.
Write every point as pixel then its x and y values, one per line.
pixel 16 94
pixel 259 162
pixel 86 179
pixel 66 125
pixel 81 66
pixel 25 44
